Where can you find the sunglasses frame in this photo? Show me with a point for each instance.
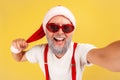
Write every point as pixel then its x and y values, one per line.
pixel 49 27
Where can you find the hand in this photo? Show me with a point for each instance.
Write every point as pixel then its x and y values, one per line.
pixel 19 45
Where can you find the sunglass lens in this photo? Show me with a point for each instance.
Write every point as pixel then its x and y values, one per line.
pixel 68 28
pixel 53 28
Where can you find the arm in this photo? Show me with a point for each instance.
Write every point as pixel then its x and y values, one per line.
pixel 20 45
pixel 107 57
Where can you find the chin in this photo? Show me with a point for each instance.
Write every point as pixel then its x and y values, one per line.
pixel 59 43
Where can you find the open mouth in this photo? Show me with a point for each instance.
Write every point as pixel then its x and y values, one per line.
pixel 59 38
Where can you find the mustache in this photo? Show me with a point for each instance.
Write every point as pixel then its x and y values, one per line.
pixel 59 36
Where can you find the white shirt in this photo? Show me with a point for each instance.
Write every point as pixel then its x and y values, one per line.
pixel 60 69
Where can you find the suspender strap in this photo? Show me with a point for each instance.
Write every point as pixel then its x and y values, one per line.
pixel 73 63
pixel 45 62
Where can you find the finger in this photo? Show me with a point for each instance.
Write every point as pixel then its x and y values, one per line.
pixel 24 44
pixel 14 44
pixel 18 44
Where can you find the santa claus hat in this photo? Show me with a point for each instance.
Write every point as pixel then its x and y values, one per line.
pixel 58 10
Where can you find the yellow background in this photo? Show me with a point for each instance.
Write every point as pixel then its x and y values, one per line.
pixel 98 23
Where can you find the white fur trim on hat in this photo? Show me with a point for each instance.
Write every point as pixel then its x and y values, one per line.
pixel 14 50
pixel 58 10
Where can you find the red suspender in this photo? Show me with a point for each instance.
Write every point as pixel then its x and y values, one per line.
pixel 73 63
pixel 45 62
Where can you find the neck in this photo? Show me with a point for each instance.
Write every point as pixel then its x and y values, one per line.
pixel 59 55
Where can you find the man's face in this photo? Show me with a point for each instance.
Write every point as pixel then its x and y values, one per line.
pixel 59 41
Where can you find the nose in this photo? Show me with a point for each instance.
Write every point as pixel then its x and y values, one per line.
pixel 60 31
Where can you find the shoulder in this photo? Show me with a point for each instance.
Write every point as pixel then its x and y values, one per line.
pixel 37 47
pixel 35 53
pixel 85 46
pixel 81 52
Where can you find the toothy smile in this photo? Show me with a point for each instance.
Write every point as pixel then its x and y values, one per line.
pixel 59 38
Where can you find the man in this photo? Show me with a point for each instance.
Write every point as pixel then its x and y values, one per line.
pixel 61 59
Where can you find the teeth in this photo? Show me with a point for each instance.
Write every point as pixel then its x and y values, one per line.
pixel 59 38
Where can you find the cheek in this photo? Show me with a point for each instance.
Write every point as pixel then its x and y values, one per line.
pixel 69 35
pixel 49 34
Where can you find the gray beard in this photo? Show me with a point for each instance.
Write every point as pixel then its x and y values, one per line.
pixel 57 49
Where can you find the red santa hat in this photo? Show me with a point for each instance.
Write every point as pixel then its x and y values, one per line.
pixel 58 10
